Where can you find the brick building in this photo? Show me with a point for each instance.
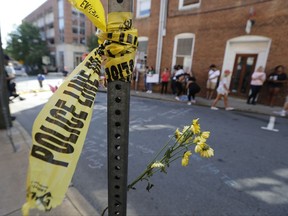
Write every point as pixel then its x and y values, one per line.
pixel 238 35
pixel 65 29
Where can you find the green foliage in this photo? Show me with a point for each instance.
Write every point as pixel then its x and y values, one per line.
pixel 92 42
pixel 25 45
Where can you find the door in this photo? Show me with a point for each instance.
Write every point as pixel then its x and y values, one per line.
pixel 244 66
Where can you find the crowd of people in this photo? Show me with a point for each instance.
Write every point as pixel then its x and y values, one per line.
pixel 184 85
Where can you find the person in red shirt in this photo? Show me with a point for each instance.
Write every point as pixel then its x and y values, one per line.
pixel 165 77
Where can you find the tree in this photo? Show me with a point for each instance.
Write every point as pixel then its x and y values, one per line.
pixel 26 45
pixel 92 42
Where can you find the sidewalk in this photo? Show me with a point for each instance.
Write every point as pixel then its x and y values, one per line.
pixel 13 165
pixel 13 169
pixel 237 103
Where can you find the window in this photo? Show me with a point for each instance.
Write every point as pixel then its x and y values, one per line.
pixel 142 53
pixel 61 20
pixel 183 50
pixel 143 8
pixel 189 4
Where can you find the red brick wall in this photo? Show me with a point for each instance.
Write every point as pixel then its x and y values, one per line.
pixel 213 24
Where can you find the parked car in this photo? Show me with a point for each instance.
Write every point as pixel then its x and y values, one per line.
pixel 20 71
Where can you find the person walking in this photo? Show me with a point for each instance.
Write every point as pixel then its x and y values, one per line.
pixel 193 88
pixel 257 79
pixel 165 76
pixel 223 91
pixel 213 76
pixel 284 110
pixel 40 78
pixel 275 81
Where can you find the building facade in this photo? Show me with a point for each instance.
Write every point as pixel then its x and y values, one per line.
pixel 66 31
pixel 238 35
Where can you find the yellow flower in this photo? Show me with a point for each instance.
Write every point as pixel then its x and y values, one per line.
pixel 199 140
pixel 205 134
pixel 185 159
pixel 157 164
pixel 178 134
pixel 204 150
pixel 207 153
pixel 185 128
pixel 195 127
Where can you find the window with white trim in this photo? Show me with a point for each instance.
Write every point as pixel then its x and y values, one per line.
pixel 143 8
pixel 189 4
pixel 142 53
pixel 183 50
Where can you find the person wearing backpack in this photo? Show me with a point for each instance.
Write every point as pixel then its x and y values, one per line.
pixel 41 78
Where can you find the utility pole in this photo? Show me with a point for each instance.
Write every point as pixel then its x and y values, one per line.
pixel 5 120
pixel 118 131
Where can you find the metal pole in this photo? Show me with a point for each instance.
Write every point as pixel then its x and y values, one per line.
pixel 118 132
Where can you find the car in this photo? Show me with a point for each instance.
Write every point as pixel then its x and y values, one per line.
pixel 19 71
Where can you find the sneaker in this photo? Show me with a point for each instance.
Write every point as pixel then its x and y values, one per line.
pixel 282 113
pixel 177 98
pixel 229 108
pixel 189 103
pixel 214 108
pixel 194 101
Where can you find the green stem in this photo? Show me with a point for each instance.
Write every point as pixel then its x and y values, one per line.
pixel 140 177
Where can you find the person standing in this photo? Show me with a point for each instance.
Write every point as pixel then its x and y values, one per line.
pixel 257 80
pixel 165 76
pixel 179 80
pixel 213 76
pixel 150 73
pixel 222 91
pixel 275 81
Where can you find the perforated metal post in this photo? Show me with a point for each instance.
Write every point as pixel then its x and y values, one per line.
pixel 118 132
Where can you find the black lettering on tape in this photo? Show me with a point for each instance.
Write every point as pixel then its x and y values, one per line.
pixel 87 102
pixel 120 71
pixel 71 109
pixel 129 38
pixel 58 114
pixel 53 143
pixel 61 125
pixel 72 137
pixel 87 86
pixel 82 90
pixel 46 155
pixel 121 37
pixel 114 72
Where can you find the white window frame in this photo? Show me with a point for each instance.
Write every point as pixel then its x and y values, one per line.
pixel 138 10
pixel 192 6
pixel 183 36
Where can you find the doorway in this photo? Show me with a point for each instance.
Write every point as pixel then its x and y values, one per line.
pixel 244 66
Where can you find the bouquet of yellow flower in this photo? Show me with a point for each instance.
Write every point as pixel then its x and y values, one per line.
pixel 177 147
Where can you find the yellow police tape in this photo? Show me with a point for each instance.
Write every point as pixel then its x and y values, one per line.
pixel 60 128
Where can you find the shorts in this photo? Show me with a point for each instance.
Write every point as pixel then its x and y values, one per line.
pixel 222 91
pixel 211 85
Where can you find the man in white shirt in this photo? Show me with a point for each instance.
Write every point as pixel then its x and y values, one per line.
pixel 213 76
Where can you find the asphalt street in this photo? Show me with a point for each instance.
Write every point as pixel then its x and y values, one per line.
pixel 247 176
